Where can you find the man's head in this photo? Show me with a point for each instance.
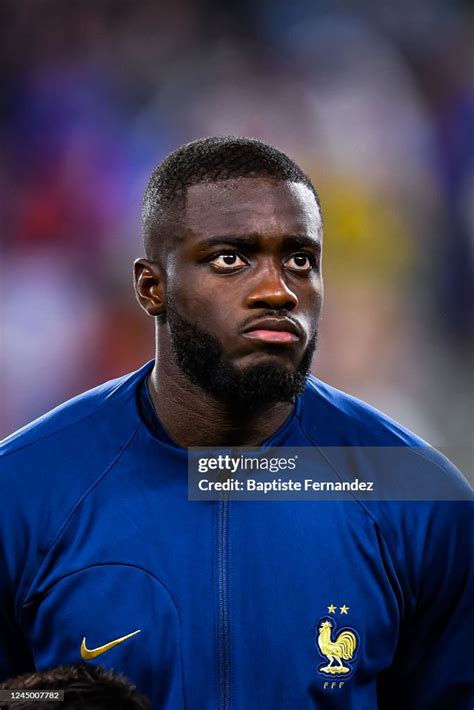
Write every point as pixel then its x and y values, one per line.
pixel 86 687
pixel 232 230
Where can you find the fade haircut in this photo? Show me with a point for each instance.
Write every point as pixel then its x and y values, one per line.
pixel 208 160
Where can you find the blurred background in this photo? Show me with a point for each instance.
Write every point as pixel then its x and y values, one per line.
pixel 374 99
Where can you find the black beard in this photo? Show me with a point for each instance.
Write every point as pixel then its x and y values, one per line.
pixel 199 355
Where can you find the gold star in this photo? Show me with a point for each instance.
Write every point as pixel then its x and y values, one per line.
pixel 344 609
pixel 331 609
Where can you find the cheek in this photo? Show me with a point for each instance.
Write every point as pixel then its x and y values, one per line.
pixel 310 299
pixel 316 299
pixel 319 300
pixel 204 305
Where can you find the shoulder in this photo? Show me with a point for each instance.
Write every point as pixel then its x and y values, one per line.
pixel 79 436
pixel 422 505
pixel 331 417
pixel 360 438
pixel 47 468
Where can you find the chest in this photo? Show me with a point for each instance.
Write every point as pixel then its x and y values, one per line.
pixel 262 604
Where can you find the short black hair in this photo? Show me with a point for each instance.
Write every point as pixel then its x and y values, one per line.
pixel 210 159
pixel 86 687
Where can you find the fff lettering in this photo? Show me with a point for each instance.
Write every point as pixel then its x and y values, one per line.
pixel 333 684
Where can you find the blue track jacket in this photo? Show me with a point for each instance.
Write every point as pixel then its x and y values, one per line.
pixel 230 605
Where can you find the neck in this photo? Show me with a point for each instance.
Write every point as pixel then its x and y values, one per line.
pixel 193 417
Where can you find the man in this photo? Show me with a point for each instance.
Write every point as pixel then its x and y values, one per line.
pixel 230 604
pixel 84 688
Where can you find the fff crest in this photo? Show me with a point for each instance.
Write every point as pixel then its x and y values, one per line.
pixel 338 646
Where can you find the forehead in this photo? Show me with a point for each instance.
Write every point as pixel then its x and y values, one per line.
pixel 251 206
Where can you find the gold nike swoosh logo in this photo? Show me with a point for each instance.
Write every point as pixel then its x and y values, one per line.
pixel 89 653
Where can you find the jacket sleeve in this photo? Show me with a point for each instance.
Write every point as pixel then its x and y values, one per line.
pixel 433 668
pixel 15 542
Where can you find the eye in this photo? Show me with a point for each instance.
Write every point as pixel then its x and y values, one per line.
pixel 227 261
pixel 300 262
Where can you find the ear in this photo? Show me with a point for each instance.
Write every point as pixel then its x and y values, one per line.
pixel 149 286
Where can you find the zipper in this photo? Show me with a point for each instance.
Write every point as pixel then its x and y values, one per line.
pixel 223 624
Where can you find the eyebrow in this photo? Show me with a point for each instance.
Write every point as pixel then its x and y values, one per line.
pixel 251 241
pixel 301 240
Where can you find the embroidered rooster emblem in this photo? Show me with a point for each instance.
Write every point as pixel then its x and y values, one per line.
pixel 342 648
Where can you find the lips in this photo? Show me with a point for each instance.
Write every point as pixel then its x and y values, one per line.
pixel 273 330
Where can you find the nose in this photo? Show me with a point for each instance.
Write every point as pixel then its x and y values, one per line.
pixel 271 291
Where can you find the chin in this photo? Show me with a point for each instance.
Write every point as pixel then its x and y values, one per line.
pixel 266 359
